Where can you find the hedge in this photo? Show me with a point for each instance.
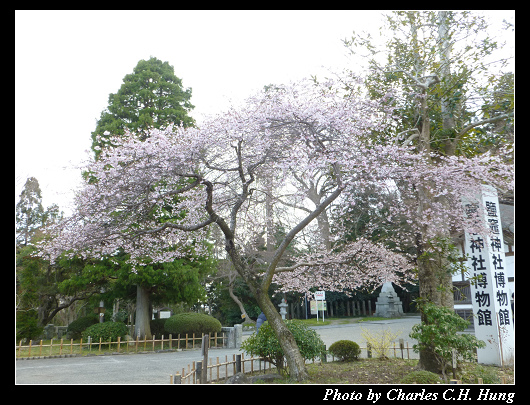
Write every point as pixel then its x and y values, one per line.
pixel 76 328
pixel 345 350
pixel 107 331
pixel 192 322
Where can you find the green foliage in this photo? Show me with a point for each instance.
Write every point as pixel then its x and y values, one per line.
pixel 157 327
pixel 192 322
pixel 80 324
pixel 421 377
pixel 27 325
pixel 265 343
pixel 467 79
pixel 107 331
pixel 444 256
pixel 151 96
pixel 29 212
pixel 345 350
pixel 438 333
pixel 489 375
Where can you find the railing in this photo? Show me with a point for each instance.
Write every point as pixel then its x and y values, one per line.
pixel 462 292
pixel 64 348
pixel 192 374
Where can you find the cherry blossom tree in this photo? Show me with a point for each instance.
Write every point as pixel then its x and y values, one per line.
pixel 209 175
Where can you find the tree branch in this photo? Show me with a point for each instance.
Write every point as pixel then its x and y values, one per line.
pixel 267 279
pixel 482 122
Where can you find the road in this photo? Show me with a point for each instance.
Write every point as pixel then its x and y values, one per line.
pixel 401 326
pixel 155 368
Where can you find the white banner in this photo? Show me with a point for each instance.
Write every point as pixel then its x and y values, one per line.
pixel 489 288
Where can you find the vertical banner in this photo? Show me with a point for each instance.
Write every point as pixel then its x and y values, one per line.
pixel 489 285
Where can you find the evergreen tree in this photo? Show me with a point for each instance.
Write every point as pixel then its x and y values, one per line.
pixel 151 96
pixel 29 211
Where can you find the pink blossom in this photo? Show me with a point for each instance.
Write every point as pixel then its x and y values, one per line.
pixel 153 198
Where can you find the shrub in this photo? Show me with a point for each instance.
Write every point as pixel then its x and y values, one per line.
pixel 107 331
pixel 27 327
pixel 380 341
pixel 192 322
pixel 157 327
pixel 345 350
pixel 474 371
pixel 80 324
pixel 438 334
pixel 265 344
pixel 421 377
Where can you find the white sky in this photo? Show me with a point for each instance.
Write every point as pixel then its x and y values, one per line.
pixel 67 63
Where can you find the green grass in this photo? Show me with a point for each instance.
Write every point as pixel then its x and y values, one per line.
pixel 373 318
pixel 42 347
pixel 341 321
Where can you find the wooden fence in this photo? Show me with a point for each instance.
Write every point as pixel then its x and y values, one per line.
pixel 192 374
pixel 62 348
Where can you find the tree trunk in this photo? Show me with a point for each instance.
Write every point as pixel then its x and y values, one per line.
pixel 143 326
pixel 295 361
pixel 437 288
pixel 435 281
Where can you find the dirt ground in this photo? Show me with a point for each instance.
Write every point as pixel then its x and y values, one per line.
pixel 388 371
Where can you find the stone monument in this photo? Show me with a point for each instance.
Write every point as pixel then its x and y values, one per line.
pixel 388 304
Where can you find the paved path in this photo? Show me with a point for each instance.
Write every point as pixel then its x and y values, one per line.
pixel 151 368
pixel 402 326
pixel 155 368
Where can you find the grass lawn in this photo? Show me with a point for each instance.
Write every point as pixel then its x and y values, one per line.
pixel 72 347
pixel 339 321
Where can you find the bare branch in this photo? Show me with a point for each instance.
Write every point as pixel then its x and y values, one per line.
pixel 482 122
pixel 267 279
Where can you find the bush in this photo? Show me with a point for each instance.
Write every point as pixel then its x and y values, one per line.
pixel 380 341
pixel 27 325
pixel 438 334
pixel 157 327
pixel 345 350
pixel 489 374
pixel 192 322
pixel 421 377
pixel 107 331
pixel 80 324
pixel 265 344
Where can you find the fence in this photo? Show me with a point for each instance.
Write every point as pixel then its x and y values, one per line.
pixel 193 373
pixel 348 308
pixel 62 348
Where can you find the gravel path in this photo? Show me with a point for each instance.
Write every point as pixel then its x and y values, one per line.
pixel 155 368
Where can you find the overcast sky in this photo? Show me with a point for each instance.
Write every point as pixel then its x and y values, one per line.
pixel 67 63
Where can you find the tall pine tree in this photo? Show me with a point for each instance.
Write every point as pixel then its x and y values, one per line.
pixel 151 96
pixel 29 212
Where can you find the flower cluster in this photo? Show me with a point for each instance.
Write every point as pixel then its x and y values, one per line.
pixel 154 197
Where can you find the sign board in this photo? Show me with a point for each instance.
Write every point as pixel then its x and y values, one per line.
pixel 489 285
pixel 318 306
pixel 320 295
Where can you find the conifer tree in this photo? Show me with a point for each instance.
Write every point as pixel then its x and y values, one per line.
pixel 150 97
pixel 29 211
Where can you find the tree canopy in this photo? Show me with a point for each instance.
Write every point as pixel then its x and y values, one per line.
pixel 284 136
pixel 150 97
